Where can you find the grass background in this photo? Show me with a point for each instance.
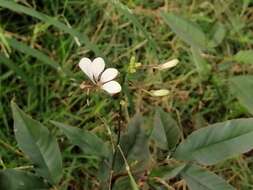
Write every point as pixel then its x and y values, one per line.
pixel 39 57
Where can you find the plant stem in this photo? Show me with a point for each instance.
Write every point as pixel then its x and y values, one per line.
pixel 133 183
pixel 8 146
pixel 118 135
pixel 117 143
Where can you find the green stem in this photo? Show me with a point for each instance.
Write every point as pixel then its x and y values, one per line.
pixel 117 143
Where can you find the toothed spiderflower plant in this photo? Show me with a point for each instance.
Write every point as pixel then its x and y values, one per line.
pixel 125 161
pixel 101 77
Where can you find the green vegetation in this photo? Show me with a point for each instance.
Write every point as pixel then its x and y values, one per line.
pixel 41 43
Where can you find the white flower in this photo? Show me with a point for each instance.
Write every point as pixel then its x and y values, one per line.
pixel 100 76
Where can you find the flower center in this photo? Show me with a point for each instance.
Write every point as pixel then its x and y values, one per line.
pixel 99 84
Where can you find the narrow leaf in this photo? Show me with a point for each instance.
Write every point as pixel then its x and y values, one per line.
pixel 217 142
pixel 18 180
pixel 198 178
pixel 87 141
pixel 5 46
pixel 186 30
pixel 36 141
pixel 242 88
pixel 165 132
pixel 32 52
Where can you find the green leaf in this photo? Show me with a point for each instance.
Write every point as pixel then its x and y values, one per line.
pixel 165 132
pixel 125 183
pixel 5 46
pixel 219 33
pixel 134 144
pixel 87 141
pixel 244 56
pixel 186 30
pixel 203 67
pixel 50 20
pixel 122 183
pixel 133 182
pixel 104 172
pixel 242 88
pixel 168 171
pixel 217 142
pixel 198 178
pixel 36 141
pixel 18 180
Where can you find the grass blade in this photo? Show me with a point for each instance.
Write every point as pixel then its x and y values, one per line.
pixel 33 52
pixel 127 12
pixel 53 21
pixel 7 62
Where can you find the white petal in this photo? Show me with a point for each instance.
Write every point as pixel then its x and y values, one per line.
pixel 85 66
pixel 108 75
pixel 111 87
pixel 98 65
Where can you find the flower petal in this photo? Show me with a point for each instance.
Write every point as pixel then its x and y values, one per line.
pixel 108 75
pixel 98 65
pixel 85 66
pixel 111 87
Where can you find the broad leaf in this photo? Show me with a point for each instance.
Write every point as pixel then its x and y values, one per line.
pixel 217 142
pixel 165 130
pixel 198 178
pixel 87 141
pixel 134 144
pixel 244 56
pixel 36 141
pixel 242 88
pixel 186 30
pixel 18 180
